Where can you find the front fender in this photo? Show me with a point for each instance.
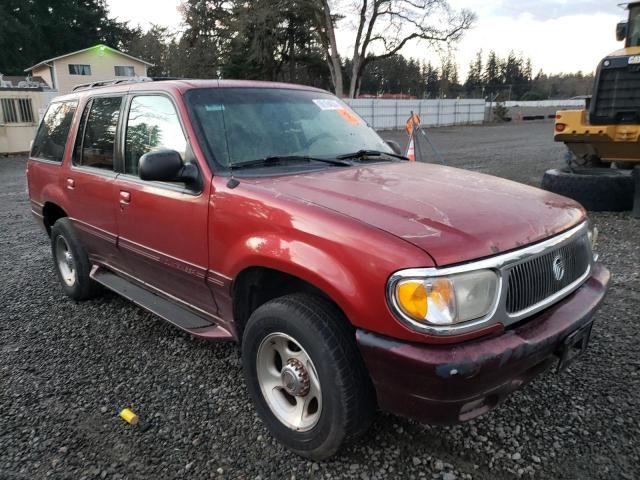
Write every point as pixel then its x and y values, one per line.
pixel 307 262
pixel 346 259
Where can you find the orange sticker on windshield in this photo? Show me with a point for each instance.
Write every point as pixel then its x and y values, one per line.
pixel 350 117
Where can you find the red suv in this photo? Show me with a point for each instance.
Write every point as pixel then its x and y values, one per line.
pixel 272 215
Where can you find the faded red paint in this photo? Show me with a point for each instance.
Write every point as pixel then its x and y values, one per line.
pixel 455 215
pixel 345 231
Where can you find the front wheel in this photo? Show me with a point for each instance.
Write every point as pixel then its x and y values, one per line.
pixel 305 375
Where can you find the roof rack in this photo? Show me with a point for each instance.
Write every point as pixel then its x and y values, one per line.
pixel 108 83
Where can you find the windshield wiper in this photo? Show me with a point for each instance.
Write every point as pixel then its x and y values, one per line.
pixel 278 159
pixel 365 154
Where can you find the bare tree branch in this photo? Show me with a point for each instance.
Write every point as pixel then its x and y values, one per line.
pixel 384 27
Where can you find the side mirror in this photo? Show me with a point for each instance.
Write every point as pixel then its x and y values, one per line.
pixel 167 166
pixel 395 146
pixel 160 165
pixel 621 31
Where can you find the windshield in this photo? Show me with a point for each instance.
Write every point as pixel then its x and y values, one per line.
pixel 244 124
pixel 633 38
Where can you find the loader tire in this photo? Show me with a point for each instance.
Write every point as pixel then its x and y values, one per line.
pixel 597 189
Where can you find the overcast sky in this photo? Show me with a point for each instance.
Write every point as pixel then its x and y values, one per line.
pixel 558 35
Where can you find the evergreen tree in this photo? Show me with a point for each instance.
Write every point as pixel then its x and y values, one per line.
pixel 153 46
pixel 432 81
pixel 474 80
pixel 492 77
pixel 35 30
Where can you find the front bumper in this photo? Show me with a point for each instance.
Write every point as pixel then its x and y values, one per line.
pixel 444 384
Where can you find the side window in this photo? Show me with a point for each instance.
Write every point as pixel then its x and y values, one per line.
pixel 53 131
pixel 153 124
pixel 97 133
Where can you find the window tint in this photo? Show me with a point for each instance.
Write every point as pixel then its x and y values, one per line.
pixel 75 69
pixel 99 134
pixel 124 71
pixel 153 124
pixel 53 132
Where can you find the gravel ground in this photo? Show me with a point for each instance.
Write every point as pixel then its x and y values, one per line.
pixel 66 369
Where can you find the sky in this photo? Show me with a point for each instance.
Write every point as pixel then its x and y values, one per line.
pixel 558 35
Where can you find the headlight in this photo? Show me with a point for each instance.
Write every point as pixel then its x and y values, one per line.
pixel 446 300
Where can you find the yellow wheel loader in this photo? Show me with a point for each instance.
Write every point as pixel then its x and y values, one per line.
pixel 605 132
pixel 608 129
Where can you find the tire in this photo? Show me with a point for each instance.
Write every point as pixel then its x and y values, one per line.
pixel 593 161
pixel 626 165
pixel 597 189
pixel 344 397
pixel 66 249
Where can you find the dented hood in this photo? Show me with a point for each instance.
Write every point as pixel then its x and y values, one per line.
pixel 454 215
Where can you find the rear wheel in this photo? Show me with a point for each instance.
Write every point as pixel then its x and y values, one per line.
pixel 71 262
pixel 305 375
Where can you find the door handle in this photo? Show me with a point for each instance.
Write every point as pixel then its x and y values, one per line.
pixel 71 183
pixel 125 198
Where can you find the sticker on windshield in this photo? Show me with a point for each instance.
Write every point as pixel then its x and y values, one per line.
pixel 634 60
pixel 349 116
pixel 214 107
pixel 327 104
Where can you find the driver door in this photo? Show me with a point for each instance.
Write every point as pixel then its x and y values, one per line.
pixel 162 226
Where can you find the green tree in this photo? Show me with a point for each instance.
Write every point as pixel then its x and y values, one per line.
pixel 492 77
pixel 153 46
pixel 431 77
pixel 275 41
pixel 34 30
pixel 449 84
pixel 473 84
pixel 202 49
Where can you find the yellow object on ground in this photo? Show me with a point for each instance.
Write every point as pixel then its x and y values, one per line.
pixel 129 416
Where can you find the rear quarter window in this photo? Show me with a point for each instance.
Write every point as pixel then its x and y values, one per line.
pixel 53 132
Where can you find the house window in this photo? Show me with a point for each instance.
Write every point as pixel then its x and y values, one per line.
pixel 26 110
pixel 124 71
pixel 17 110
pixel 77 69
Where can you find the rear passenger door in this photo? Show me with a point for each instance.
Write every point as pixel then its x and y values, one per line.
pixel 162 226
pixel 90 180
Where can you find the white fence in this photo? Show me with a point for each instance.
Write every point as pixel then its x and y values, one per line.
pixel 383 114
pixel 545 103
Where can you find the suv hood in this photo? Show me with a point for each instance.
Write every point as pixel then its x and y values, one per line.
pixel 454 215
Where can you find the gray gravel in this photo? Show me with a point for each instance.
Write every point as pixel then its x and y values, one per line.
pixel 66 369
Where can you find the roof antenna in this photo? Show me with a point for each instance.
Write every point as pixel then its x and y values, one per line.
pixel 233 182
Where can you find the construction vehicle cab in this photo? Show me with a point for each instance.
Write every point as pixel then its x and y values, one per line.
pixel 608 129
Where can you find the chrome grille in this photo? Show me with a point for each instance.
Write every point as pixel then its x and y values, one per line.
pixel 535 280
